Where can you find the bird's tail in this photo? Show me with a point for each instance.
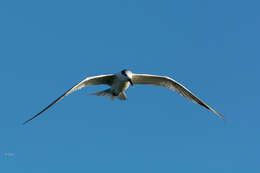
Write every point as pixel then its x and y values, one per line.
pixel 108 93
pixel 122 96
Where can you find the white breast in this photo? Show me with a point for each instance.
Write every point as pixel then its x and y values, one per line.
pixel 120 84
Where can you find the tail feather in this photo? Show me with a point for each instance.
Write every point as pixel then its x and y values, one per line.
pixel 122 96
pixel 108 93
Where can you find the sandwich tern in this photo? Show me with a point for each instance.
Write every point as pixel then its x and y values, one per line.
pixel 120 82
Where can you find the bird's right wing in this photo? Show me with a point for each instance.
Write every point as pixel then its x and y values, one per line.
pixel 167 82
pixel 95 80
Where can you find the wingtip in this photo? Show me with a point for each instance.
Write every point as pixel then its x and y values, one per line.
pixel 25 122
pixel 221 116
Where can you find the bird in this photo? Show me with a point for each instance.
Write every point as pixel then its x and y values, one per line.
pixel 119 83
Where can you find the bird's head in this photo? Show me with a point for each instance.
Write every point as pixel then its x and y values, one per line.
pixel 128 74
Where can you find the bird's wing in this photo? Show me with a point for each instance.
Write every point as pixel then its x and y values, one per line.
pixel 95 80
pixel 167 82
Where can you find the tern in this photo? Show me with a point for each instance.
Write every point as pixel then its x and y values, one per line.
pixel 120 82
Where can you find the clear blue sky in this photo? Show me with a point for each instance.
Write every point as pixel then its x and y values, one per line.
pixel 212 47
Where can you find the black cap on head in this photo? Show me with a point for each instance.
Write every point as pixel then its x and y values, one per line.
pixel 124 72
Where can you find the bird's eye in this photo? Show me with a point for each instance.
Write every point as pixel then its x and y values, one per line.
pixel 123 72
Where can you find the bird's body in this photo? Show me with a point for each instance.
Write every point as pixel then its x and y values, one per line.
pixel 121 81
pixel 120 84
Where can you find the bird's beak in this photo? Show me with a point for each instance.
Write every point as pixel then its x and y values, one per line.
pixel 131 82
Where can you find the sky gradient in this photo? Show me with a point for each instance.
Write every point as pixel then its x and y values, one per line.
pixel 211 47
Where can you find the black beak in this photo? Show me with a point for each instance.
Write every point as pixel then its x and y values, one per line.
pixel 131 82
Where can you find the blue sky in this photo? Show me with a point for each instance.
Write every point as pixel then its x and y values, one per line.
pixel 211 47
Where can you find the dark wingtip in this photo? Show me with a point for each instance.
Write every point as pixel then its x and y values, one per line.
pixel 220 115
pixel 24 123
pixel 27 121
pixel 223 118
pixel 210 108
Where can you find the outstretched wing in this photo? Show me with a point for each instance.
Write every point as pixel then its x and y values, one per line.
pixel 167 82
pixel 95 80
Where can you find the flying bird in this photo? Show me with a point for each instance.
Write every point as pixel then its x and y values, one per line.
pixel 120 82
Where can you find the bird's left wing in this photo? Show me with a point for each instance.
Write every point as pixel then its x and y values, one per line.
pixel 95 80
pixel 167 82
